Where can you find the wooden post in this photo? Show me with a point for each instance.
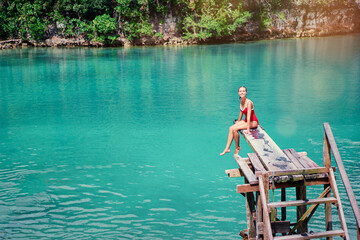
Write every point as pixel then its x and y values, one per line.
pixel 264 194
pixel 283 209
pixel 259 216
pixel 327 164
pixel 301 195
pixel 250 208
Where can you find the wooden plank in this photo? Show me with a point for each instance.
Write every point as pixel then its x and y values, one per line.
pixel 255 161
pixel 234 172
pixel 246 170
pixel 355 207
pixel 339 206
pixel 294 160
pixel 296 171
pixel 310 162
pixel 244 188
pixel 305 236
pixel 302 202
pixel 269 153
pixel 303 159
pixel 263 189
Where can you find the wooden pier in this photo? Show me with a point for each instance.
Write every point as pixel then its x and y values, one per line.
pixel 270 168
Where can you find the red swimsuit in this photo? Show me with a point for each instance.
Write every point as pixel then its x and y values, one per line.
pixel 252 116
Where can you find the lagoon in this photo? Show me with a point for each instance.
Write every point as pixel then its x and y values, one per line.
pixel 124 143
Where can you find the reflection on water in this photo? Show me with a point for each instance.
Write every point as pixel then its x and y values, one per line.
pixel 124 143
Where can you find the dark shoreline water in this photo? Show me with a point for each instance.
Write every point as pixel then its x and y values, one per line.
pixel 124 143
pixel 152 42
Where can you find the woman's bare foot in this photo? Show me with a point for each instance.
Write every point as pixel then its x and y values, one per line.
pixel 225 151
pixel 237 150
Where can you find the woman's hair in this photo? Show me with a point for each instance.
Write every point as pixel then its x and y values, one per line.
pixel 242 87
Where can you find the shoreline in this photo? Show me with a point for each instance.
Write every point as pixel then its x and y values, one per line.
pixel 148 42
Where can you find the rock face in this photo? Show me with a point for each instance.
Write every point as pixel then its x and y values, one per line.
pixel 295 18
pixel 303 18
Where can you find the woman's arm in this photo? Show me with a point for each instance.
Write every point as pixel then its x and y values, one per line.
pixel 240 116
pixel 249 109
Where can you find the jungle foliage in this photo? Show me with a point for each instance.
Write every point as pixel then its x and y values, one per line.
pixel 107 20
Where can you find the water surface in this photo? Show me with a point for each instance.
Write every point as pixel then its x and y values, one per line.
pixel 124 143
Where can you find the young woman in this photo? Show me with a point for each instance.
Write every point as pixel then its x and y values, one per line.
pixel 250 121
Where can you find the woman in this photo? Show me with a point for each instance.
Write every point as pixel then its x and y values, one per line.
pixel 250 121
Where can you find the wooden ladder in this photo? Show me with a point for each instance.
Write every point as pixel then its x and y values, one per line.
pixel 266 224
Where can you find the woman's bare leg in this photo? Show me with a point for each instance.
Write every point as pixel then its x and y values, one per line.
pixel 237 142
pixel 235 128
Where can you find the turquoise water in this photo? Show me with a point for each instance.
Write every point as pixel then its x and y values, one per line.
pixel 125 143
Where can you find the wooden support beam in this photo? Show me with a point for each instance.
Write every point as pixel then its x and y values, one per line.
pixel 264 187
pixel 250 209
pixel 302 202
pixel 296 171
pixel 283 199
pixel 301 195
pixel 259 216
pixel 306 236
pixel 255 188
pixel 339 206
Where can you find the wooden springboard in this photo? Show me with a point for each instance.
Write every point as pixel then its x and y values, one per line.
pixel 271 156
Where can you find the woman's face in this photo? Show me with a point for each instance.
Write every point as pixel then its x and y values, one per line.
pixel 242 92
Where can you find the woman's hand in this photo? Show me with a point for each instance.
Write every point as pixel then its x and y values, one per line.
pixel 247 132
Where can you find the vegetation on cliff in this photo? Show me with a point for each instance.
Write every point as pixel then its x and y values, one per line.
pixel 108 20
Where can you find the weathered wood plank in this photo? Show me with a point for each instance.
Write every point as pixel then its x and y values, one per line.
pixel 294 160
pixel 302 202
pixel 244 188
pixel 305 236
pixel 269 153
pixel 234 172
pixel 310 162
pixel 255 161
pixel 355 207
pixel 296 171
pixel 303 159
pixel 244 167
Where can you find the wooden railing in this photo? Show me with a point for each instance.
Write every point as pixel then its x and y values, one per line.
pixel 330 144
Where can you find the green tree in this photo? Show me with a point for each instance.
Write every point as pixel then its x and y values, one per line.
pixel 213 18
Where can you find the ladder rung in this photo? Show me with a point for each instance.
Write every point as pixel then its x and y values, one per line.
pixel 302 202
pixel 304 236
